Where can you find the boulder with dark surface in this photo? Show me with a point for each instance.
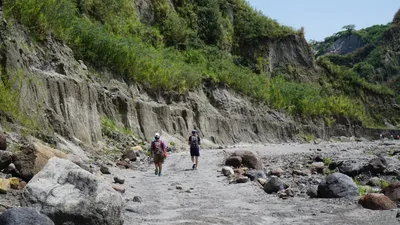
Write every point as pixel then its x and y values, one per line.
pixel 255 174
pixel 274 185
pixel 249 159
pixel 67 194
pixel 376 201
pixel 337 185
pixel 5 159
pixel 350 168
pixel 3 141
pixel 234 161
pixel 32 158
pixel 24 216
pixel 393 191
pixel 377 165
pixel 129 154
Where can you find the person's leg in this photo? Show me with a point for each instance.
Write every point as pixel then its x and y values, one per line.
pixel 197 161
pixel 160 168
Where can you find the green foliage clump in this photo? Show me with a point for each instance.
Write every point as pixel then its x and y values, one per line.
pixel 108 127
pixel 327 161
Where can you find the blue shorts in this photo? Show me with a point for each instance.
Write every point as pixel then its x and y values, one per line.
pixel 195 152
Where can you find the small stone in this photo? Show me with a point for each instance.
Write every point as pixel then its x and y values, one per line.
pixel 262 181
pixel 318 159
pixel 319 150
pixel 398 214
pixel 276 172
pixel 118 188
pixel 188 191
pixel 137 199
pixel 312 192
pixel 119 180
pixel 179 187
pixel 21 185
pixel 227 171
pixel 242 179
pixel 105 170
pixel 14 183
pixel 4 186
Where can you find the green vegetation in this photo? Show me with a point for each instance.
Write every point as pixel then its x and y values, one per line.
pixel 327 161
pixel 189 44
pixel 108 127
pixel 306 137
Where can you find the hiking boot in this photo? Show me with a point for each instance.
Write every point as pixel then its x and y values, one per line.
pixel 156 172
pixel 194 166
pixel 159 174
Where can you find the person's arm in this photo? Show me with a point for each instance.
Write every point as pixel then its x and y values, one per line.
pixel 151 148
pixel 163 146
pixel 199 140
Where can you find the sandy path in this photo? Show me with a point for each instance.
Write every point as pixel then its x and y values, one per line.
pixel 214 201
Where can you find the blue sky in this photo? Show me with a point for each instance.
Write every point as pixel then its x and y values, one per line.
pixel 322 18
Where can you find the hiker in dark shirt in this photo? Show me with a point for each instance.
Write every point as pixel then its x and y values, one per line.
pixel 194 142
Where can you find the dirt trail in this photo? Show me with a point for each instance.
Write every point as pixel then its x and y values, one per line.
pixel 214 201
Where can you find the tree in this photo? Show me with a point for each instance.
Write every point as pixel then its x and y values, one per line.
pixel 349 28
pixel 396 18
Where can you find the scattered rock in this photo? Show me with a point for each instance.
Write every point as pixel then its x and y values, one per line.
pixel 137 199
pixel 70 195
pixel 227 171
pixel 350 168
pixel 234 161
pixel 119 180
pixel 333 165
pixel 304 172
pixel 255 174
pixel 130 154
pixel 24 216
pixel 274 185
pixel 312 192
pixel 3 141
pixel 393 191
pixel 318 166
pixel 318 159
pixel 14 183
pixel 276 172
pixel 239 171
pixel 105 170
pixel 374 182
pixel 21 185
pixel 242 179
pixel 5 159
pixel 377 165
pixel 376 201
pixel 124 164
pixel 286 193
pixel 249 159
pixel 118 188
pixel 4 186
pixel 337 185
pixel 262 181
pixel 32 158
pixel 188 191
pixel 179 187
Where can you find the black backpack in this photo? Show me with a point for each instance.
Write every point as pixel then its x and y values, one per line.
pixel 194 142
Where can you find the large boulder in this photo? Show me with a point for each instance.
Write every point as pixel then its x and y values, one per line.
pixel 377 165
pixel 393 191
pixel 234 161
pixel 32 158
pixel 376 201
pixel 337 185
pixel 70 195
pixel 5 159
pixel 249 159
pixel 24 216
pixel 350 168
pixel 3 141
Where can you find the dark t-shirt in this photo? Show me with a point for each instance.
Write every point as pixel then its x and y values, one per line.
pixel 198 140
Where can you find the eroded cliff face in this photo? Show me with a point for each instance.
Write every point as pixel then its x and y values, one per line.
pixel 346 44
pixel 61 93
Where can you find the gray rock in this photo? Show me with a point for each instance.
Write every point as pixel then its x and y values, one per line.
pixel 377 165
pixel 24 216
pixel 130 154
pixel 351 168
pixel 274 185
pixel 255 174
pixel 242 179
pixel 105 170
pixel 5 159
pixel 234 161
pixel 119 180
pixel 337 185
pixel 374 182
pixel 137 199
pixel 227 171
pixel 179 187
pixel 68 194
pixel 312 192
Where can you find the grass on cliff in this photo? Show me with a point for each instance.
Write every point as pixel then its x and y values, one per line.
pixel 186 47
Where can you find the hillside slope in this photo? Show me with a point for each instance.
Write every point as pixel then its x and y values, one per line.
pixel 157 65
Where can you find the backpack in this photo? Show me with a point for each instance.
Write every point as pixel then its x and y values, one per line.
pixel 157 147
pixel 194 142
